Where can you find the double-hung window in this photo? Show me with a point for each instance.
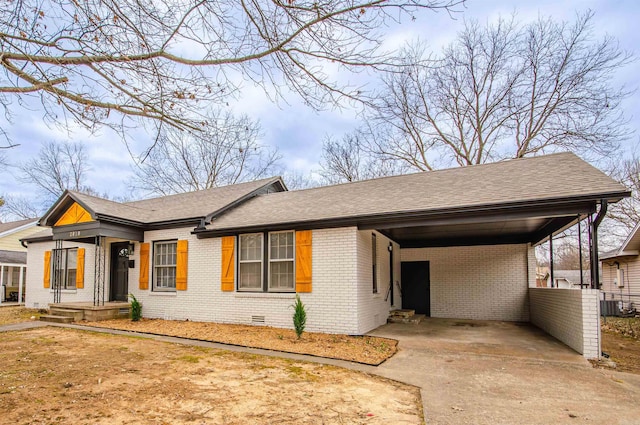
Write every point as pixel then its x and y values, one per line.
pixel 64 264
pixel 269 268
pixel 250 269
pixel 281 257
pixel 164 266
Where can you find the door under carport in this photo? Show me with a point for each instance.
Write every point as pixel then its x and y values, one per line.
pixel 416 291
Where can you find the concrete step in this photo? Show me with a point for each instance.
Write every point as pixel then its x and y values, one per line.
pixel 414 318
pixel 76 315
pixel 56 319
pixel 402 313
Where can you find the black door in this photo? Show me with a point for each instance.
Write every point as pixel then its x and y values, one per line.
pixel 119 288
pixel 416 293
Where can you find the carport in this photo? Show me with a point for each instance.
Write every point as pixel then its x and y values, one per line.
pixel 473 256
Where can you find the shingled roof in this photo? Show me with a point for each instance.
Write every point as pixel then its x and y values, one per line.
pixel 13 225
pixel 561 176
pixel 181 206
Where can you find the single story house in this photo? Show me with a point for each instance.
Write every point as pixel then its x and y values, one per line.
pixel 455 243
pixel 13 258
pixel 621 272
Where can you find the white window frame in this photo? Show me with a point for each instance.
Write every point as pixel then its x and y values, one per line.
pixel 156 266
pixel 241 261
pixel 65 267
pixel 282 260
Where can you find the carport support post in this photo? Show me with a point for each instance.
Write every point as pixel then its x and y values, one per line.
pixel 595 267
pixel 580 253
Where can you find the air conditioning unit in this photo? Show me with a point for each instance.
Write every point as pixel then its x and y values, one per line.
pixel 620 278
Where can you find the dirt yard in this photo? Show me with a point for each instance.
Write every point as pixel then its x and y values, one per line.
pixel 56 375
pixel 621 340
pixel 366 349
pixel 9 315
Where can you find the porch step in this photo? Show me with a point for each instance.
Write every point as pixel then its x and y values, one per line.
pixel 402 313
pixel 56 319
pixel 76 315
pixel 405 318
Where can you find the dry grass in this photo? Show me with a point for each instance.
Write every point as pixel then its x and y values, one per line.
pixel 66 376
pixel 365 349
pixel 621 340
pixel 9 315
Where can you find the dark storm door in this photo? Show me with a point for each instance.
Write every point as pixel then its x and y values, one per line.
pixel 416 292
pixel 119 287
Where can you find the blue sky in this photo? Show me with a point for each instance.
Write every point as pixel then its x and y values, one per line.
pixel 298 131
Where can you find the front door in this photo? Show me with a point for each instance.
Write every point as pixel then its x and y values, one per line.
pixel 119 287
pixel 416 293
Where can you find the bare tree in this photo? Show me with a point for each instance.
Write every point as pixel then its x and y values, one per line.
pixel 626 213
pixel 90 60
pixel 503 91
pixel 57 167
pixel 20 208
pixel 226 152
pixel 347 160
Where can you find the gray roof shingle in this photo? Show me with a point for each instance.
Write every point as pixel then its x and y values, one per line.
pixel 554 176
pixel 13 257
pixel 5 227
pixel 173 207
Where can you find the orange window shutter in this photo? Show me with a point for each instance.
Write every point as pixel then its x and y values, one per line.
pixel 303 261
pixel 144 266
pixel 228 262
pixel 182 251
pixel 80 269
pixel 47 269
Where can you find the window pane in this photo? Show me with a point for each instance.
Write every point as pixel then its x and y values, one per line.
pixel 251 247
pixel 281 276
pixel 281 246
pixel 250 276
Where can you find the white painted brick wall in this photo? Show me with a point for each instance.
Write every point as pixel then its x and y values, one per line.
pixel 570 315
pixel 373 310
pixel 37 296
pixel 487 282
pixel 330 307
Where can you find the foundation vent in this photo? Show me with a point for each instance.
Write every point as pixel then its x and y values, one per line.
pixel 257 320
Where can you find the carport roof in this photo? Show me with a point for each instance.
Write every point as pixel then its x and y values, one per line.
pixel 522 196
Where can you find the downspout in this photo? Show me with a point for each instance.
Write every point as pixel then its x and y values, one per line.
pixel 595 264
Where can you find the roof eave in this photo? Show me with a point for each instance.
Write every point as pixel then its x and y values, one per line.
pixel 370 221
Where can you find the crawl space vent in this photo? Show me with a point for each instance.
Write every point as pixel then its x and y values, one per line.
pixel 257 320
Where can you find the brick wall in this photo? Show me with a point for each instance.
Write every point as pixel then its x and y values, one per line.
pixel 37 295
pixel 330 307
pixel 570 315
pixel 373 309
pixel 487 282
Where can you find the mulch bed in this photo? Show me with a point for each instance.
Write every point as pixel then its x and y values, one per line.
pixel 361 349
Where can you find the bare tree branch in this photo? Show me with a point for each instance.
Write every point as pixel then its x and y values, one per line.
pixel 168 61
pixel 227 151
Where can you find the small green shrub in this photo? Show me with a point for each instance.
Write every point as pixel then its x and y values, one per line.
pixel 136 308
pixel 299 316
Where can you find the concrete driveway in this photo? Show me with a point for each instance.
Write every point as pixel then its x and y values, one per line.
pixel 481 372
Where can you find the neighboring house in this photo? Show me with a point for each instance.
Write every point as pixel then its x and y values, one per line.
pixel 453 243
pixel 13 258
pixel 621 272
pixel 563 279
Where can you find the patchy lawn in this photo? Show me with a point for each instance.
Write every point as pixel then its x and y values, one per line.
pixel 621 340
pixel 364 349
pixel 9 315
pixel 58 375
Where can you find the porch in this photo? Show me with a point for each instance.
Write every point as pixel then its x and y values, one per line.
pixel 78 311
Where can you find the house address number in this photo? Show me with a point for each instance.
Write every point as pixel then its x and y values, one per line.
pixel 74 234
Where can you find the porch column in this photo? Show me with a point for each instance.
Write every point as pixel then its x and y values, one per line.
pixel 20 282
